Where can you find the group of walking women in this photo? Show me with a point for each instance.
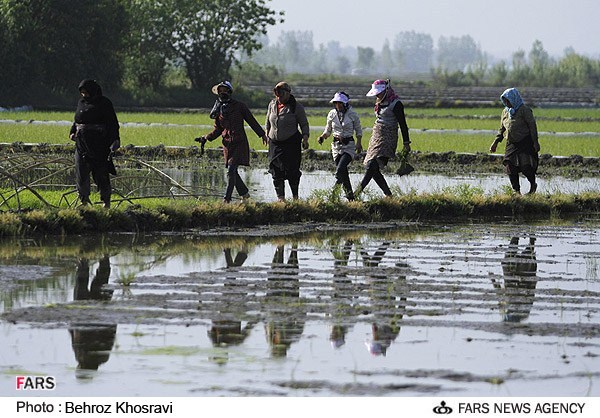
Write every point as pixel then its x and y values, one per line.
pixel 286 132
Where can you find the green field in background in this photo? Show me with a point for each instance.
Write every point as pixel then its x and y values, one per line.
pixel 549 120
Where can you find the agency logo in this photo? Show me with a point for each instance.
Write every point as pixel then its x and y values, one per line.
pixel 35 383
pixel 442 409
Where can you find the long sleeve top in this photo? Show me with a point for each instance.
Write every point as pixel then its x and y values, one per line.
pixel 282 124
pixel 519 127
pixel 230 125
pixel 342 125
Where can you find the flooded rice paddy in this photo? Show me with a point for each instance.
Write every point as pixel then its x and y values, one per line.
pixel 363 310
pixel 261 185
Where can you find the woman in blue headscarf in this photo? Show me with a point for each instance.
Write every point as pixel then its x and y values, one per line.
pixel 519 129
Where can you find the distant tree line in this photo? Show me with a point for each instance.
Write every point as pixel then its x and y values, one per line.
pixel 48 46
pixel 147 48
pixel 455 61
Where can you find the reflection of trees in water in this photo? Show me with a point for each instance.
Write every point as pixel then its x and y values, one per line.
pixel 286 318
pixel 520 279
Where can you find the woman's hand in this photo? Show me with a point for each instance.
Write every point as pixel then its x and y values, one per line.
pixel 305 142
pixel 493 146
pixel 265 139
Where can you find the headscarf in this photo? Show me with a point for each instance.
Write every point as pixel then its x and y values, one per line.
pixel 389 97
pixel 378 87
pixel 515 99
pixel 221 106
pixel 92 87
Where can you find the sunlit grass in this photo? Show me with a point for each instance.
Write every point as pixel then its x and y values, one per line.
pixel 167 215
pixel 184 136
pixel 418 119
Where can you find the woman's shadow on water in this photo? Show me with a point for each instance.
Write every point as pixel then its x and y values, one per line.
pixel 517 294
pixel 388 299
pixel 285 323
pixel 92 342
pixel 225 332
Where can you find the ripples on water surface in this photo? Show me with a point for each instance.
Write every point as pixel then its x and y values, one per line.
pixel 482 309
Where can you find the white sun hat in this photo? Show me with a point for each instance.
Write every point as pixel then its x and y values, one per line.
pixel 340 96
pixel 377 87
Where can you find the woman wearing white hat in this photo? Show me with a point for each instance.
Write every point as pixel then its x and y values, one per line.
pixel 384 139
pixel 343 122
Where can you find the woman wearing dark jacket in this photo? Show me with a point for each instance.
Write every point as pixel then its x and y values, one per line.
pixel 284 116
pixel 519 128
pixel 229 116
pixel 96 135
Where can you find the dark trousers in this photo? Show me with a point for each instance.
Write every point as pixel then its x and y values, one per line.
pixel 374 172
pixel 99 171
pixel 279 184
pixel 234 180
pixel 341 174
pixel 284 164
pixel 513 175
pixel 280 173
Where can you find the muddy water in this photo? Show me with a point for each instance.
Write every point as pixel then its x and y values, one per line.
pixel 478 309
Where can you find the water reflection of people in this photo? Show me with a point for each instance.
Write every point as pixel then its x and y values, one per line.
pixel 92 343
pixel 387 301
pixel 238 261
pixel 96 290
pixel 228 332
pixel 520 280
pixel 342 307
pixel 286 324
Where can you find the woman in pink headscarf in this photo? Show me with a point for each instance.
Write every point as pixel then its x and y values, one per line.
pixel 384 139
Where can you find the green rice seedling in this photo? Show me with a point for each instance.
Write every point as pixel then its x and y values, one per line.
pixel 465 193
pixel 70 220
pixel 10 224
pixel 126 278
pixel 189 126
pixel 332 195
pixel 25 199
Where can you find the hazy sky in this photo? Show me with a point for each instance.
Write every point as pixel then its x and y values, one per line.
pixel 499 27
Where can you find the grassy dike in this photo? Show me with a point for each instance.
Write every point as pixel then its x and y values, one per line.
pixel 169 215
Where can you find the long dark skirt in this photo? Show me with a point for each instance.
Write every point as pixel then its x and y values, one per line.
pixel 284 163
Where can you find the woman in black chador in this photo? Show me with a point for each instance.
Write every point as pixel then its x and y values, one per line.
pixel 96 135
